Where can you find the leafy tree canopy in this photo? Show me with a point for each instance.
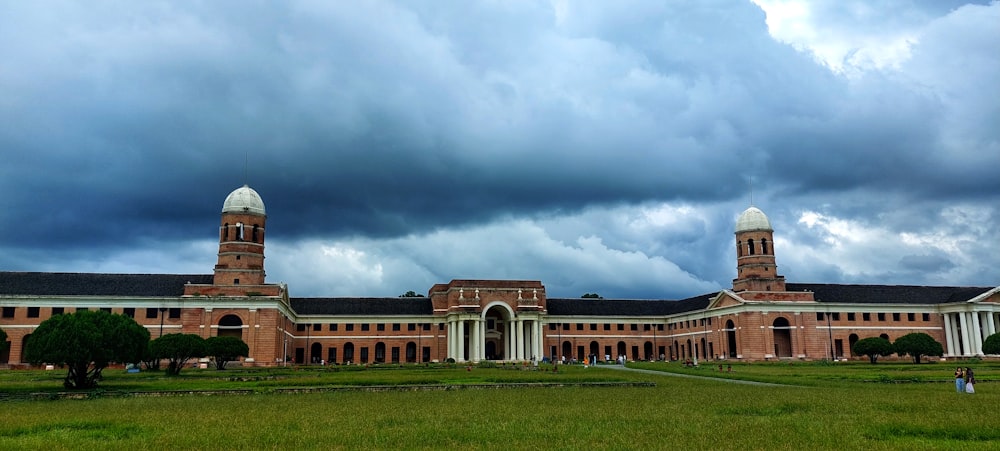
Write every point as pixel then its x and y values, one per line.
pixel 873 347
pixel 225 350
pixel 916 345
pixel 992 344
pixel 411 294
pixel 86 342
pixel 178 349
pixel 591 296
pixel 3 340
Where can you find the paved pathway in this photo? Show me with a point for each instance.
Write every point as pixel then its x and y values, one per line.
pixel 691 376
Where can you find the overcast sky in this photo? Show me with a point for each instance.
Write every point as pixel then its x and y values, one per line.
pixel 600 147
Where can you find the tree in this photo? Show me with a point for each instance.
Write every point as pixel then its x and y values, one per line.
pixel 992 344
pixel 225 350
pixel 411 294
pixel 916 345
pixel 591 296
pixel 178 349
pixel 3 340
pixel 86 342
pixel 873 347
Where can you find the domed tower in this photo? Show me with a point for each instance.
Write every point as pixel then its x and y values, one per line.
pixel 241 239
pixel 755 265
pixel 240 268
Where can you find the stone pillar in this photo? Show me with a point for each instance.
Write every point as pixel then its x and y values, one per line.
pixel 948 335
pixel 956 334
pixel 991 325
pixel 519 333
pixel 460 341
pixel 977 334
pixel 966 336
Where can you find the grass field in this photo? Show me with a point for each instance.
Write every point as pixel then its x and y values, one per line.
pixel 825 407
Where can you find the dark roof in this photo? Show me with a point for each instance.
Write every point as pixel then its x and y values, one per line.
pixel 362 306
pixel 888 294
pixel 626 307
pixel 90 284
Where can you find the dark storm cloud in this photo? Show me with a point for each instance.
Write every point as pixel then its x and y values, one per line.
pixel 126 124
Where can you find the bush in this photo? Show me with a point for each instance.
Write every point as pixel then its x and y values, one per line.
pixel 873 347
pixel 992 344
pixel 916 345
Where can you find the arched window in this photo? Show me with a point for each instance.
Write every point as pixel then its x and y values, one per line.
pixel 739 248
pixel 763 246
pixel 731 338
pixel 223 232
pixel 253 234
pixel 782 337
pixel 411 352
pixel 231 326
pixel 379 352
pixel 750 249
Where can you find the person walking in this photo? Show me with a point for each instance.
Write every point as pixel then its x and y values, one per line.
pixel 970 381
pixel 959 380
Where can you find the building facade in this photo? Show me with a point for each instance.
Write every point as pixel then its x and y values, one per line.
pixel 760 318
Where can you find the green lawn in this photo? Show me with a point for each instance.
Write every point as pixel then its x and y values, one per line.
pixel 830 409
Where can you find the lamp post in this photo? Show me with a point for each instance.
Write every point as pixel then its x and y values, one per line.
pixel 162 310
pixel 308 331
pixel 829 331
pixel 420 353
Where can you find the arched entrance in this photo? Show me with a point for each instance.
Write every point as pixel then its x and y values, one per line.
pixel 491 350
pixel 380 352
pixel 348 352
pixel 595 350
pixel 621 349
pixel 567 350
pixel 411 352
pixel 316 352
pixel 851 339
pixel 498 331
pixel 782 332
pixel 731 338
pixel 231 326
pixel 647 350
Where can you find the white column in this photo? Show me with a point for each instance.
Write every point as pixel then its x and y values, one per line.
pixel 955 333
pixel 991 325
pixel 538 339
pixel 507 344
pixel 977 334
pixel 460 341
pixel 450 353
pixel 949 335
pixel 966 340
pixel 519 333
pixel 476 345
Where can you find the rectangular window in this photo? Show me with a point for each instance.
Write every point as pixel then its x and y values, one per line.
pixel 579 326
pixel 151 312
pixel 895 316
pixel 58 310
pixel 820 316
pixel 836 316
pixel 129 312
pixel 333 328
pixel 911 316
pixel 565 326
pixel 881 316
pixel 365 327
pixel 349 327
pixel 380 327
pixel 8 312
pixel 491 324
pixel 647 327
pixel 659 327
pixel 633 327
pixel 175 313
pixel 427 326
pixel 106 309
pixel 866 316
pixel 81 309
pixel 33 312
pixel 593 326
pixel 552 326
pixel 300 327
pixel 317 327
pixel 925 317
pixel 411 327
pixel 440 326
pixel 621 326
pixel 607 326
pixel 364 351
pixel 850 316
pixel 395 326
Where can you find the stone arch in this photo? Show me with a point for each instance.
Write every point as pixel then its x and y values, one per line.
pixel 380 352
pixel 647 350
pixel 230 326
pixel 567 350
pixel 411 352
pixel 621 349
pixel 782 332
pixel 851 339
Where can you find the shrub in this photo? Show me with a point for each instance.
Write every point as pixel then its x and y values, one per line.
pixel 873 347
pixel 916 345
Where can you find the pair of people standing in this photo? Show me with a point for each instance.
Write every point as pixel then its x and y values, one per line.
pixel 965 380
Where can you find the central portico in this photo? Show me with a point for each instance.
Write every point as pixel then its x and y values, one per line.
pixel 491 319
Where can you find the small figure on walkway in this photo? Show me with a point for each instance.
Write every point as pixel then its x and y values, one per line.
pixel 959 380
pixel 970 381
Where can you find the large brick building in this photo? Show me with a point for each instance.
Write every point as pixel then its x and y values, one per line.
pixel 761 317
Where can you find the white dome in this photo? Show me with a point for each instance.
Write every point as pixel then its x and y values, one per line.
pixel 243 200
pixel 753 219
